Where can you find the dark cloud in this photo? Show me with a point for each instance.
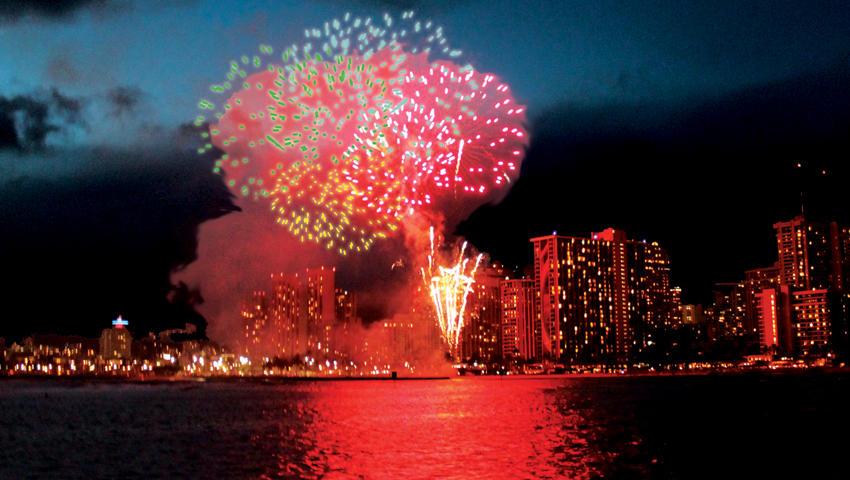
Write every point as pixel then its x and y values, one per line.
pixel 806 110
pixel 103 240
pixel 8 132
pixel 14 10
pixel 26 120
pixel 23 122
pixel 124 100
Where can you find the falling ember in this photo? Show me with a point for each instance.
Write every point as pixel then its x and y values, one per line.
pixel 449 287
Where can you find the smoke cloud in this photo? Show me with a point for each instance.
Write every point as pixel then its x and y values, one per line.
pixel 124 100
pixel 27 120
pixel 327 174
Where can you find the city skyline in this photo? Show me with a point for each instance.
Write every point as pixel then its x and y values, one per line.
pixel 689 127
pixel 598 301
pixel 755 279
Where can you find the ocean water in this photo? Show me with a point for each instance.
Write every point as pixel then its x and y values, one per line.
pixel 745 426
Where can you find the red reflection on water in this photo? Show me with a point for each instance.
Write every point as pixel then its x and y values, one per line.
pixel 460 428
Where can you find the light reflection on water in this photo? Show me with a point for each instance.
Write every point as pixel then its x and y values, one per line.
pixel 474 428
pixel 533 427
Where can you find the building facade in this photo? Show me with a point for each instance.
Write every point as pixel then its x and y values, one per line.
pixel 812 321
pixel 481 334
pixel 116 342
pixel 804 252
pixel 296 315
pixel 518 299
pixel 813 265
pixel 600 299
pixel 755 282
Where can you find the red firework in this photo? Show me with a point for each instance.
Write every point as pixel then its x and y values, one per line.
pixel 343 150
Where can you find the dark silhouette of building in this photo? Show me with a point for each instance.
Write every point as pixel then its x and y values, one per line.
pixel 729 310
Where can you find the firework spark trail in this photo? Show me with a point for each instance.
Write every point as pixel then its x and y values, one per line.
pixel 346 143
pixel 449 288
pixel 317 156
pixel 459 157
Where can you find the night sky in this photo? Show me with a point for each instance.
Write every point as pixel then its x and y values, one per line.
pixel 680 122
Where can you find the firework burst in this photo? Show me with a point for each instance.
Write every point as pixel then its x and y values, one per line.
pixel 344 144
pixel 449 287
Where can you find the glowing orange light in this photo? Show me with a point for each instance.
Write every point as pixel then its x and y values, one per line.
pixel 449 287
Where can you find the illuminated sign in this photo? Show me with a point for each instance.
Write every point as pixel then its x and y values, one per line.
pixel 120 322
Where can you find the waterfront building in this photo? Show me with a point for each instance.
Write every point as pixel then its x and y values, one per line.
pixel 347 323
pixel 255 312
pixel 398 340
pixel 813 263
pixel 345 306
pixel 481 333
pixel 600 299
pixel 812 326
pixel 676 306
pixel 518 300
pixel 755 282
pixel 804 252
pixel 318 297
pixel 840 287
pixel 116 342
pixel 287 318
pixel 729 310
pixel 296 316
pixel 768 319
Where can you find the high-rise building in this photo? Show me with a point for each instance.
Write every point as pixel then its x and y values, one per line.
pixel 318 290
pixel 768 319
pixel 692 315
pixel 651 299
pixel 756 280
pixel 600 299
pixel 729 310
pixel 813 263
pixel 812 321
pixel 481 333
pixel 116 342
pixel 296 317
pixel 287 319
pixel 426 328
pixel 767 310
pixel 840 288
pixel 397 340
pixel 676 306
pixel 345 305
pixel 255 317
pixel 518 318
pixel 346 320
pixel 839 245
pixel 804 254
